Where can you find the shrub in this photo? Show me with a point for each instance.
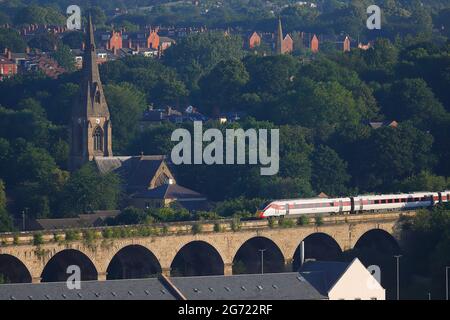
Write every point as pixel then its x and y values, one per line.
pixel 37 239
pixel 89 235
pixel 72 235
pixel 107 233
pixel 217 227
pixel 318 220
pixel 302 220
pixel 271 222
pixel 196 228
pixel 236 224
pixel 285 223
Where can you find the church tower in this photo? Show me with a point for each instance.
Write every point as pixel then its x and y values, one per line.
pixel 90 126
pixel 279 35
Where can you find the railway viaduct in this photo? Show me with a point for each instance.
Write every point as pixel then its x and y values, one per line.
pixel 187 249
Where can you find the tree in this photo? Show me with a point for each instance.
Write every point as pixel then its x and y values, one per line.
pixel 10 39
pixel 88 190
pixel 329 173
pixel 390 155
pixel 425 180
pixel 221 89
pixel 5 219
pixel 63 55
pixel 412 99
pixel 126 104
pixel 197 54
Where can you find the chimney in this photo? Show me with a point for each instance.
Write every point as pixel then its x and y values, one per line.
pixel 129 43
pixel 27 50
pixel 83 45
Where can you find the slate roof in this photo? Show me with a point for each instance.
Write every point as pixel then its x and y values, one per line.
pixel 135 171
pixel 81 221
pixel 169 191
pixel 274 286
pixel 140 289
pixel 323 274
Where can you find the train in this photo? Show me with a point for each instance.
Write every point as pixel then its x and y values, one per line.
pixel 351 205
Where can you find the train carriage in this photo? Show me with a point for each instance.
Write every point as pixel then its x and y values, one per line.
pixel 395 201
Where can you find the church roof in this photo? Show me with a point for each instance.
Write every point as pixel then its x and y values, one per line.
pixel 136 172
pixel 169 191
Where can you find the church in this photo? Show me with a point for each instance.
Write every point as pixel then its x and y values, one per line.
pixel 147 180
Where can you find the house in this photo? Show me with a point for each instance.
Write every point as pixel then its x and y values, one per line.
pixel 8 67
pixel 383 124
pixel 314 44
pixel 165 43
pixel 346 44
pixel 283 44
pixel 342 280
pixel 254 40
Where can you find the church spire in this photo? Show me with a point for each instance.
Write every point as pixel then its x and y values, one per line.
pixel 91 125
pixel 279 34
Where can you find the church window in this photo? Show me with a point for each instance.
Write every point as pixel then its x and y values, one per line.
pixel 98 139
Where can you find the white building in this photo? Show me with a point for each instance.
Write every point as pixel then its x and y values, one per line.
pixel 343 281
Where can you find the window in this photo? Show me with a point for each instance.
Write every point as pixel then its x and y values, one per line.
pixel 98 139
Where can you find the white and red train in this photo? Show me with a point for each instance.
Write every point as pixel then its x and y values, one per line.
pixel 354 204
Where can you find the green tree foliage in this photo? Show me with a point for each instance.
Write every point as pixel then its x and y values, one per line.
pixel 88 190
pixel 390 155
pixel 65 58
pixel 329 172
pixel 221 89
pixel 10 39
pixel 39 15
pixel 412 99
pixel 5 218
pixel 427 250
pixel 195 55
pixel 126 104
pixel 424 181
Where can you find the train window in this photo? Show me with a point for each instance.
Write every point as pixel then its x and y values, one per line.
pixel 396 200
pixel 410 199
pixel 390 200
pixel 383 201
pixel 377 201
pixel 416 199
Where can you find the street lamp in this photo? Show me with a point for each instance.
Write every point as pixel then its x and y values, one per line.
pixel 262 259
pixel 446 282
pixel 398 275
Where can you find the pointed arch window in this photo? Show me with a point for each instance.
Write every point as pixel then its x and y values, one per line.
pixel 98 139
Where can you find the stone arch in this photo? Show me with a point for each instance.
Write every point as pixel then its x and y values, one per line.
pixel 133 262
pixel 319 246
pixel 97 136
pixel 258 254
pixel 378 239
pixel 13 270
pixel 197 258
pixel 56 268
